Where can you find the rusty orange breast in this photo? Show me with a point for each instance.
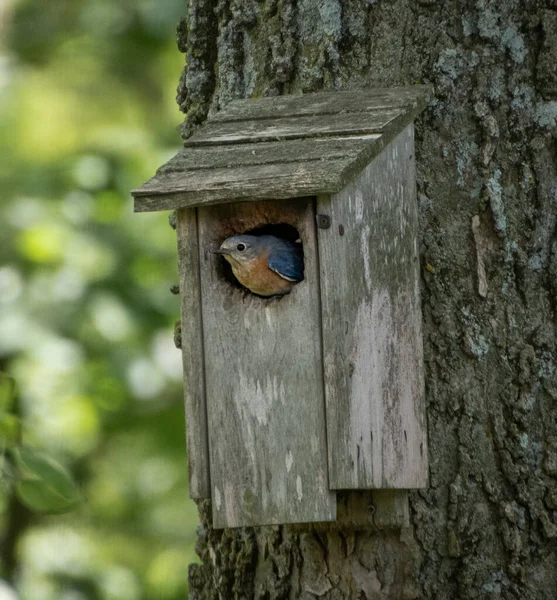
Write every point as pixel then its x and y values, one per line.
pixel 258 278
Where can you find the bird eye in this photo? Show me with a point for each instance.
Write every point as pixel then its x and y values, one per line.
pixel 241 247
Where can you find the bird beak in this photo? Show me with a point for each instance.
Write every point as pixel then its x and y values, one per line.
pixel 220 251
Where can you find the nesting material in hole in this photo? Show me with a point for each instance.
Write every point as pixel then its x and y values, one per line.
pixel 267 260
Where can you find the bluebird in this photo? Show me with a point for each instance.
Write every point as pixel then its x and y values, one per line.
pixel 265 264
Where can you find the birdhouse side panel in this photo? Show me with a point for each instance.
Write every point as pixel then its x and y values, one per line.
pixel 192 354
pixel 372 326
pixel 264 378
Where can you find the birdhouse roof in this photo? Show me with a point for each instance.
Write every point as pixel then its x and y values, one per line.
pixel 281 147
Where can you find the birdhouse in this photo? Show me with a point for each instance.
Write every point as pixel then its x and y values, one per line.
pixel 291 399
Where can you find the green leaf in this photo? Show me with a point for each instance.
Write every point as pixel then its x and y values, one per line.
pixel 44 485
pixel 39 497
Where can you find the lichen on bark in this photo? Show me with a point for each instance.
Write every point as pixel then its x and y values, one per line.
pixel 487 190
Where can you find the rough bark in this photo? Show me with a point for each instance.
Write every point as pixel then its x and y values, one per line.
pixel 486 153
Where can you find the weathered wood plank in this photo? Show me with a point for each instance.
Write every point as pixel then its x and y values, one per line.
pixel 236 179
pixel 243 183
pixel 312 126
pixel 192 355
pixel 263 153
pixel 232 166
pixel 314 145
pixel 372 327
pixel 324 103
pixel 180 189
pixel 264 377
pixel 173 188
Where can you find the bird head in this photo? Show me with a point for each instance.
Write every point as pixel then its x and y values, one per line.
pixel 240 248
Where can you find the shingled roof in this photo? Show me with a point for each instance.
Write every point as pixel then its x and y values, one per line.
pixel 281 147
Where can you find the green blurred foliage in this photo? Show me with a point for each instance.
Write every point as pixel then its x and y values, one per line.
pixel 41 483
pixel 96 425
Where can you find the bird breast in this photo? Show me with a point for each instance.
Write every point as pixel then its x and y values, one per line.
pixel 258 278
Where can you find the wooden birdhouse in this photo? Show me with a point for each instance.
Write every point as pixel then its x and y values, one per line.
pixel 291 399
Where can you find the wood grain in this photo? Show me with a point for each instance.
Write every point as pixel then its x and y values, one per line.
pixel 285 147
pixel 322 103
pixel 192 355
pixel 289 176
pixel 372 327
pixel 241 178
pixel 264 377
pixel 263 153
pixel 286 128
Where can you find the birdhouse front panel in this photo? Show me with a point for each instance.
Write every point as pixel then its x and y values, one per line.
pixel 264 376
pixel 372 335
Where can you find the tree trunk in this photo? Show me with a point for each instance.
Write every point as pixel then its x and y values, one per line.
pixel 487 190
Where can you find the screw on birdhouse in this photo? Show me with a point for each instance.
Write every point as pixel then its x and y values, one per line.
pixel 175 289
pixel 178 334
pixel 323 221
pixel 341 229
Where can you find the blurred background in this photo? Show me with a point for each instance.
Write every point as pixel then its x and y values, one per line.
pixel 94 501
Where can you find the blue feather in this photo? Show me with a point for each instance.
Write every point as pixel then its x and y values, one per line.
pixel 285 258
